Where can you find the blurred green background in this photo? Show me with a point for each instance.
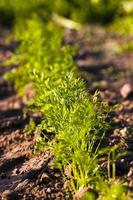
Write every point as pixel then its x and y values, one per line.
pixel 83 11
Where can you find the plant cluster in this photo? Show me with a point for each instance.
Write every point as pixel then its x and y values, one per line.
pixel 73 123
pixel 41 50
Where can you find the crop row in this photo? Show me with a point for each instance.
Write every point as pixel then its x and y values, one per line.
pixel 73 124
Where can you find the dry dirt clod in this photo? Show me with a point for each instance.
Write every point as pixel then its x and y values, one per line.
pixel 3 175
pixel 124 132
pixel 48 190
pixel 126 90
pixel 10 195
pixel 130 173
pixel 44 178
pixel 17 171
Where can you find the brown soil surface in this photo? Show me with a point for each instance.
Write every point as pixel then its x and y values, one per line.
pixel 27 176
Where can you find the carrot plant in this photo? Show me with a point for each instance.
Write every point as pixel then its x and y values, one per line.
pixel 77 121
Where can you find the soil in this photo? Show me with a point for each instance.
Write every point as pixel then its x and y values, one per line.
pixel 24 175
